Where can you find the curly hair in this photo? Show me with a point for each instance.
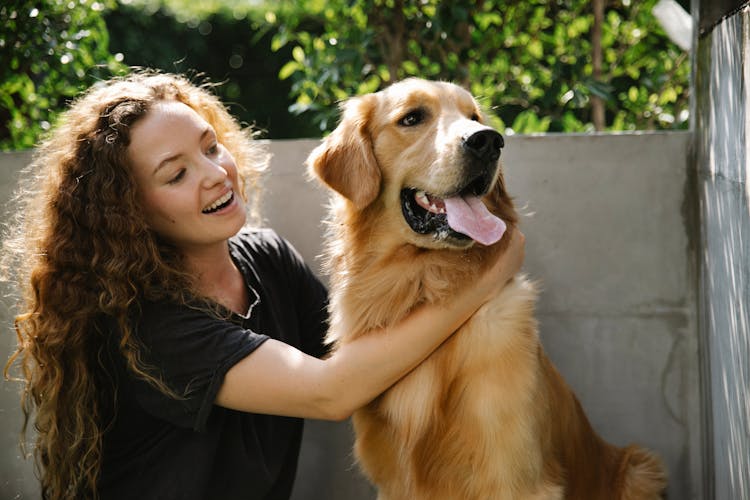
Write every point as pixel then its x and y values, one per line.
pixel 81 251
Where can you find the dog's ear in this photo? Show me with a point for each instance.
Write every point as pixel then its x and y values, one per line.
pixel 345 161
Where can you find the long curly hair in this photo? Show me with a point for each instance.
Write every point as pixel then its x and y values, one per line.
pixel 81 251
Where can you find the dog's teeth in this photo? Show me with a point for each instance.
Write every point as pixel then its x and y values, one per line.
pixel 433 207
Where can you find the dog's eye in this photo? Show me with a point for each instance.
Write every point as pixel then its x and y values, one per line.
pixel 475 117
pixel 414 117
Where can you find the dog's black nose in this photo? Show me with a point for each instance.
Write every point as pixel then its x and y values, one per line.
pixel 485 145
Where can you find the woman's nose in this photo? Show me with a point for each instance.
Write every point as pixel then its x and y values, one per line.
pixel 213 172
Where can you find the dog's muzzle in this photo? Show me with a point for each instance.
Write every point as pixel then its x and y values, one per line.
pixel 461 216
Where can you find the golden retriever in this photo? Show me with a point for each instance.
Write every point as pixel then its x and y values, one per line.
pixel 419 211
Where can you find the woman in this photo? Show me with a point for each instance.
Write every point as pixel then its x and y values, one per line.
pixel 167 350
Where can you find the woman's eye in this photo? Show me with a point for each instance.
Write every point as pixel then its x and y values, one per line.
pixel 177 177
pixel 213 149
pixel 414 117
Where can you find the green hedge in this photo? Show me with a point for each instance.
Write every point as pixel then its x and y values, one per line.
pixel 285 64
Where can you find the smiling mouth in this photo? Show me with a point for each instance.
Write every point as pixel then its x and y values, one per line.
pixel 426 214
pixel 217 205
pixel 460 217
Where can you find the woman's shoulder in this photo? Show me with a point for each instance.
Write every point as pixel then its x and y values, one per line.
pixel 268 255
pixel 261 242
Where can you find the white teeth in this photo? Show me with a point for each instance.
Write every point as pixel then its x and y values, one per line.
pixel 219 202
pixel 423 200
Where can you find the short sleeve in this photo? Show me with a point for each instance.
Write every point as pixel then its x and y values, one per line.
pixel 289 287
pixel 193 351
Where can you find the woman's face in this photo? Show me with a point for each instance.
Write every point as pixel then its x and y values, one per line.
pixel 187 181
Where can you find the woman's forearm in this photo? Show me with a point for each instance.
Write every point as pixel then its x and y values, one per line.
pixel 281 380
pixel 278 379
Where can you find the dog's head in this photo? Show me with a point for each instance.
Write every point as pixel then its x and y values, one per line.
pixel 419 157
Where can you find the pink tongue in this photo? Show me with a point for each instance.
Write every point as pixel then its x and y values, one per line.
pixel 469 216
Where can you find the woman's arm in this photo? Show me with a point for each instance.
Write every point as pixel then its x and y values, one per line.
pixel 278 379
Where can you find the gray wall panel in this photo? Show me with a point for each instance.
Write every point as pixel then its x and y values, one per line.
pixel 608 240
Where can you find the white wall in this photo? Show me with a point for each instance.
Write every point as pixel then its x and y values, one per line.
pixel 16 476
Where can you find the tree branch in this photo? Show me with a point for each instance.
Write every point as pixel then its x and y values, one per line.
pixel 597 103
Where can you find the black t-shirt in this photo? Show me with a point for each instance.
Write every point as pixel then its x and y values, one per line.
pixel 159 447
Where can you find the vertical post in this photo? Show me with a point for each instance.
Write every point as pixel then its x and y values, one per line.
pixel 597 103
pixel 721 113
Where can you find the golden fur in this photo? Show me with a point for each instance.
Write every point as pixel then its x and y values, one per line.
pixel 486 416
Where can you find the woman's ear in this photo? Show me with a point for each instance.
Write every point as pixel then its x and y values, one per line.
pixel 345 161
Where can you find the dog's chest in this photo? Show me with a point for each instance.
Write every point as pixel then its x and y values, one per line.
pixel 487 368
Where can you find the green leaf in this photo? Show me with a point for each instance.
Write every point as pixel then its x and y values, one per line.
pixel 410 68
pixel 298 53
pixel 288 69
pixel 370 85
pixel 528 122
pixel 536 49
pixel 279 41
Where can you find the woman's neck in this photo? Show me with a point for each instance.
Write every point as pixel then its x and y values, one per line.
pixel 218 278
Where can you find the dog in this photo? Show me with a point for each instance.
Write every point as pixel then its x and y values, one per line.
pixel 419 209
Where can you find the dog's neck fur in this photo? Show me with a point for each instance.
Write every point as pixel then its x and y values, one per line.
pixel 412 276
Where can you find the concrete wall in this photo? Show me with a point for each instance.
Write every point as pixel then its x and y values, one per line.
pixel 612 239
pixel 722 118
pixel 613 244
pixel 16 478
